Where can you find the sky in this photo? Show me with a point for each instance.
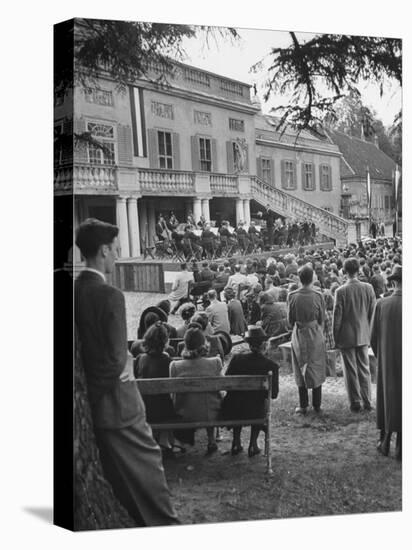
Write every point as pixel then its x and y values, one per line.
pixel 234 60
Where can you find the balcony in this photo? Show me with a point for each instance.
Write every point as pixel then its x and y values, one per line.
pixel 166 182
pixel 85 179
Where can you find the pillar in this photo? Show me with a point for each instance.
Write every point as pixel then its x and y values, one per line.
pixel 205 209
pixel 246 210
pixel 239 211
pixel 121 217
pixel 142 214
pixel 197 209
pixel 134 230
pixel 151 222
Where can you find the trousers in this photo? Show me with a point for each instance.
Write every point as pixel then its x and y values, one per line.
pixel 304 397
pixel 132 463
pixel 357 375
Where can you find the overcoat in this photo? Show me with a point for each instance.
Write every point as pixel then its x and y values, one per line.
pixel 236 317
pixel 386 341
pixel 197 407
pixel 249 404
pixel 306 313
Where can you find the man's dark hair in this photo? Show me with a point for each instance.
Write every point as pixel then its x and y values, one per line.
pixel 351 266
pixel 306 275
pixel 92 234
pixel 205 264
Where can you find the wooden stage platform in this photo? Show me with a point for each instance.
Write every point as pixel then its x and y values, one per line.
pixel 138 275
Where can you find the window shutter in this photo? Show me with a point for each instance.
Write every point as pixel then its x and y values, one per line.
pixel 330 178
pixel 67 149
pixel 313 177
pixel 320 178
pixel 230 158
pixel 214 155
pixel 259 168
pixel 124 144
pixel 194 142
pixel 153 148
pixel 81 147
pixel 272 171
pixel 176 151
pixel 283 173
pixel 295 181
pixel 303 176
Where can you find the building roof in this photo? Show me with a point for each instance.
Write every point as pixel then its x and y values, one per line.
pixel 359 155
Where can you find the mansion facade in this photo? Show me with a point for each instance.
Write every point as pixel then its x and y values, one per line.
pixel 187 140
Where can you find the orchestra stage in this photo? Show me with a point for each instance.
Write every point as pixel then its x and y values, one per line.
pixel 157 275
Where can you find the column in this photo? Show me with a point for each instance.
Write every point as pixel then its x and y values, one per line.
pixel 239 211
pixel 151 222
pixel 197 209
pixel 246 210
pixel 121 217
pixel 142 214
pixel 205 209
pixel 134 230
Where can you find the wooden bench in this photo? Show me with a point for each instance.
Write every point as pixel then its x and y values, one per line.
pixel 157 386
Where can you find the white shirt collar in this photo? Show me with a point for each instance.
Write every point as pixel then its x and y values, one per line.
pixel 95 271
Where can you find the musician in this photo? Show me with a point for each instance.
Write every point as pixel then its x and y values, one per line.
pixel 202 222
pixel 242 237
pixel 226 238
pixel 162 232
pixel 191 219
pixel 254 235
pixel 207 240
pixel 191 243
pixel 173 221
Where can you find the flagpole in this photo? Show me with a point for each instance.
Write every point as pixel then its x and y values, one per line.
pixel 396 199
pixel 369 196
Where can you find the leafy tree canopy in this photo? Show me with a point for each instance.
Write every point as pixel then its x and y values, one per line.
pixel 331 63
pixel 124 49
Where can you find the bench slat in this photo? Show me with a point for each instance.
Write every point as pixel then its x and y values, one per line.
pixel 157 386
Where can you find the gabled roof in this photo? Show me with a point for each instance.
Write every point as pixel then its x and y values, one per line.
pixel 360 154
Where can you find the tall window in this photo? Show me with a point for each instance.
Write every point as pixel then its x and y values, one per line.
pixel 104 135
pixel 308 183
pixel 325 177
pixel 165 149
pixel 205 155
pixel 289 175
pixel 58 148
pixel 266 172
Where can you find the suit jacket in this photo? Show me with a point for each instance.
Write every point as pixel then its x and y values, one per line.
pixel 100 317
pixel 352 314
pixel 218 316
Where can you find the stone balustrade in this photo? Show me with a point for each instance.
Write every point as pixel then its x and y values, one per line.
pixel 166 182
pixel 289 206
pixel 222 185
pixel 86 177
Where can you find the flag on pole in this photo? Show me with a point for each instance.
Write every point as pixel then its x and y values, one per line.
pixel 368 188
pixel 397 178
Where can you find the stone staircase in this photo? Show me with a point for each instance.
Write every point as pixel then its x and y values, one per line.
pixel 287 205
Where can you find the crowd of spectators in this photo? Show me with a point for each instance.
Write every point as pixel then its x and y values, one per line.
pixel 282 295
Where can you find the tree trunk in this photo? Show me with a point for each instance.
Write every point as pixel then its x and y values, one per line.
pixel 95 506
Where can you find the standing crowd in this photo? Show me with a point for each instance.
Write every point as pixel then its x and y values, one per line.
pixel 322 299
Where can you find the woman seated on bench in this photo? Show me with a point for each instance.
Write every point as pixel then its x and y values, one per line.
pixel 154 363
pixel 197 407
pixel 249 405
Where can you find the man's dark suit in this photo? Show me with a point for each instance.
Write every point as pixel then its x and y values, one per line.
pixel 130 457
pixel 352 316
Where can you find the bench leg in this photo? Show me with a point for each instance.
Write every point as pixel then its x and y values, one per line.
pixel 268 453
